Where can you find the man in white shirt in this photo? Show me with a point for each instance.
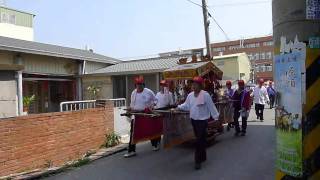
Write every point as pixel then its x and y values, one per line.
pixel 260 98
pixel 164 97
pixel 201 108
pixel 142 99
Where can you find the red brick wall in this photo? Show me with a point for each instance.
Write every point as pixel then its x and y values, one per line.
pixel 30 142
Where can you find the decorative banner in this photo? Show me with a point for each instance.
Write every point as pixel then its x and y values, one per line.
pixel 313 9
pixel 146 128
pixel 288 80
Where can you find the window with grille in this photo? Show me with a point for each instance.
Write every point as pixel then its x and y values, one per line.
pixel 269 55
pixel 12 19
pixel 4 18
pixel 269 43
pixel 220 63
pixel 257 56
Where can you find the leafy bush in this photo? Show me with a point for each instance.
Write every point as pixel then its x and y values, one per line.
pixel 112 140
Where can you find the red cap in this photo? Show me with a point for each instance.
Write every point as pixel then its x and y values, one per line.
pixel 139 80
pixel 228 83
pixel 241 83
pixel 198 79
pixel 163 83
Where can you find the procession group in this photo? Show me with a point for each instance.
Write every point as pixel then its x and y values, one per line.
pixel 199 101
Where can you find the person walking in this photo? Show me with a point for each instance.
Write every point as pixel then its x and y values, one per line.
pixel 271 94
pixel 201 108
pixel 164 98
pixel 229 113
pixel 242 105
pixel 260 98
pixel 142 99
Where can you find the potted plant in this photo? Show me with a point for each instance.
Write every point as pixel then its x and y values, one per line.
pixel 93 91
pixel 27 101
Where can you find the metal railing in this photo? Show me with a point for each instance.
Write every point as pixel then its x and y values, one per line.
pixel 119 102
pixel 79 105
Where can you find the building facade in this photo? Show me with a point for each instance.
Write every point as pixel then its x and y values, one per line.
pixel 16 24
pixel 259 51
pixel 51 73
pixel 234 67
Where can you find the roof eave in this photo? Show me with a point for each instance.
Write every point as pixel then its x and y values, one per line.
pixel 128 72
pixel 47 53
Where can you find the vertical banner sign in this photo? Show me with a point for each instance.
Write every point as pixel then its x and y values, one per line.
pixel 313 9
pixel 289 112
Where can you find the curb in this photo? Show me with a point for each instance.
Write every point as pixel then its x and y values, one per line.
pixel 39 173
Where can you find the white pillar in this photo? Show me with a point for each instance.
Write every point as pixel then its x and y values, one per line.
pixel 127 91
pixel 19 92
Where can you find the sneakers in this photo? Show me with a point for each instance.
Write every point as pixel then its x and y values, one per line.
pixel 130 154
pixel 156 148
pixel 197 166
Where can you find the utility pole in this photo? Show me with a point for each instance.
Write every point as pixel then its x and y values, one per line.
pixel 206 27
pixel 296 37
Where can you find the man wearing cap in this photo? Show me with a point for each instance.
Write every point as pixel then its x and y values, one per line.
pixel 229 115
pixel 201 108
pixel 260 98
pixel 142 99
pixel 164 96
pixel 271 94
pixel 241 105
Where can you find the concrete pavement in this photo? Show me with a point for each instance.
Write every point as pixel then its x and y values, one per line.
pixel 230 158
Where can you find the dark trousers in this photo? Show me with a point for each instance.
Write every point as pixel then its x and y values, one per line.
pixel 259 111
pixel 132 147
pixel 200 132
pixel 236 116
pixel 272 99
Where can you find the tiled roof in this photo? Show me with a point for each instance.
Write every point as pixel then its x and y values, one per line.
pixel 151 65
pixel 17 45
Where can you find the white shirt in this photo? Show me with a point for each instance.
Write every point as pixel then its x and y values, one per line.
pixel 140 101
pixel 163 100
pixel 260 95
pixel 200 111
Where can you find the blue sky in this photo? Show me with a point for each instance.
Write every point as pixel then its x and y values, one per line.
pixel 138 28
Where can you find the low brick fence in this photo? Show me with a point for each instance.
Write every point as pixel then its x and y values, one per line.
pixel 37 141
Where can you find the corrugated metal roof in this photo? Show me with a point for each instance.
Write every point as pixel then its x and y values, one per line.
pixel 152 65
pixel 17 45
pixel 1 6
pixel 140 66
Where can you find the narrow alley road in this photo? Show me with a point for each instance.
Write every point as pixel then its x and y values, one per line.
pixel 231 158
